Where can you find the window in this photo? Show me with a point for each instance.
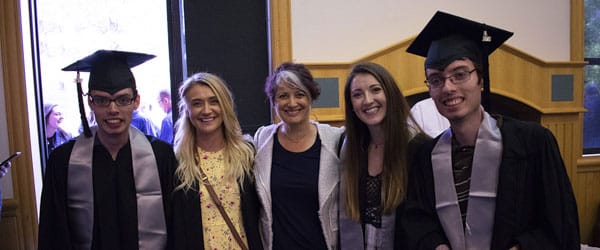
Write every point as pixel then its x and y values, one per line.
pixel 136 25
pixel 591 119
pixel 57 33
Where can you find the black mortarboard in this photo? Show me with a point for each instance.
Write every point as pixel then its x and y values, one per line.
pixel 110 71
pixel 447 38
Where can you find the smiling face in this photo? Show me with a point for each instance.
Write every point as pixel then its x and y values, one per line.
pixel 113 120
pixel 291 104
pixel 461 101
pixel 204 110
pixel 55 118
pixel 368 99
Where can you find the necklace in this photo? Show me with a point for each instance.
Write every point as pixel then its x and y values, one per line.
pixel 295 139
pixel 291 138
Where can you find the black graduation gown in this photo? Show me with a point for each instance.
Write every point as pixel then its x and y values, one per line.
pixel 400 233
pixel 535 205
pixel 187 221
pixel 115 205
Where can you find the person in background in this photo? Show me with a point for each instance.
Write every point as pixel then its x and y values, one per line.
pixel 487 182
pixel 428 118
pixel 109 188
pixel 143 123
pixel 215 159
pixel 591 118
pixel 376 153
pixel 55 135
pixel 166 128
pixel 297 166
pixel 4 168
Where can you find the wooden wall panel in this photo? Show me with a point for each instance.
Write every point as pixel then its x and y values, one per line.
pixel 588 200
pixel 280 26
pixel 515 75
pixel 563 126
pixel 8 233
pixel 339 71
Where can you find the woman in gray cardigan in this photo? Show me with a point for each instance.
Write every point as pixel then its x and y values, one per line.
pixel 297 167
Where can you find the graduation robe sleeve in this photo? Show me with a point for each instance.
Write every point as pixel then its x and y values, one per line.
pixel 535 204
pixel 420 221
pixel 53 230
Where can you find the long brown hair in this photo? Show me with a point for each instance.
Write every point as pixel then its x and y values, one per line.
pixel 397 133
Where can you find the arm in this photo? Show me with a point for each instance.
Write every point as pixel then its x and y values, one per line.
pixel 250 213
pixel 4 169
pixel 166 130
pixel 167 163
pixel 47 211
pixel 420 220
pixel 53 228
pixel 557 211
pixel 256 137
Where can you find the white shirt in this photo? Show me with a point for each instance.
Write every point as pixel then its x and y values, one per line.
pixel 428 118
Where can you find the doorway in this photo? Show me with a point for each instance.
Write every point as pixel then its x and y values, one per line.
pixel 60 32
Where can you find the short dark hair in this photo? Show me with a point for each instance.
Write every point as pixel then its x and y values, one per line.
pixel 164 94
pixel 294 74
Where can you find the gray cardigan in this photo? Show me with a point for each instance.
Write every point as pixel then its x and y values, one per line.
pixel 328 181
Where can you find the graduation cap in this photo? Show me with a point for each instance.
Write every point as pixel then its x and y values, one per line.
pixel 447 38
pixel 110 71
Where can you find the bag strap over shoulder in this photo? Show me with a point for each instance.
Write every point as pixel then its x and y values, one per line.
pixel 215 199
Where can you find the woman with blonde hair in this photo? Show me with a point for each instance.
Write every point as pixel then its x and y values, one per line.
pixel 214 203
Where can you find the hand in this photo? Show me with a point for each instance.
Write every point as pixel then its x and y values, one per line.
pixel 514 248
pixel 442 247
pixel 4 169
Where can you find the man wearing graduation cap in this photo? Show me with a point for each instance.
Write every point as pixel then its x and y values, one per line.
pixel 107 188
pixel 487 182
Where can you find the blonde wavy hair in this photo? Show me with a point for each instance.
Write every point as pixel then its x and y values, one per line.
pixel 238 152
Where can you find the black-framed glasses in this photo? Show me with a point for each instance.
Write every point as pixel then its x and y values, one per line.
pixel 103 101
pixel 458 77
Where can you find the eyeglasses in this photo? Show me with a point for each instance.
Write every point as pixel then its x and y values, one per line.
pixel 102 101
pixel 459 77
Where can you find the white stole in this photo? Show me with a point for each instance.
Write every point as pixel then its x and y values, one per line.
pixel 80 194
pixel 487 157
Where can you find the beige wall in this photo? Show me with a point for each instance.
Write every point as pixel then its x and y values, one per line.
pixel 345 30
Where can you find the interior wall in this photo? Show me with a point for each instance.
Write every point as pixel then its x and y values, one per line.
pixel 230 39
pixel 345 30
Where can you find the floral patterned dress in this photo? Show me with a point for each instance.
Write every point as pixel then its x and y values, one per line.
pixel 216 233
